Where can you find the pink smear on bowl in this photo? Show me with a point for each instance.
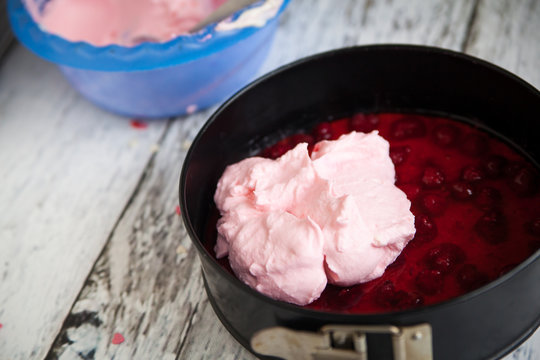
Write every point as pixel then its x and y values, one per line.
pixel 121 22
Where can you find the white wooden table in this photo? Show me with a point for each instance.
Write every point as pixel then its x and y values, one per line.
pixel 94 261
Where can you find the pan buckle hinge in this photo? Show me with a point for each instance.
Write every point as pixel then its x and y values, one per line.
pixel 343 342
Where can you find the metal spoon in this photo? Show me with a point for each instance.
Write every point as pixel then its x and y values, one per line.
pixel 222 12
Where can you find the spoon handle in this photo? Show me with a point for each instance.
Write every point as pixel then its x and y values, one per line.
pixel 225 10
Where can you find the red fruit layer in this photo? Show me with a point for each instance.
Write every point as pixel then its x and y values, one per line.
pixel 476 203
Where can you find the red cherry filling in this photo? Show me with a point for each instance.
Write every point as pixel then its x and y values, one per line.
pixel 400 261
pixel 474 144
pixel 331 130
pixel 411 190
pixel 444 257
pixel 459 182
pixel 364 122
pixel 495 165
pixel 487 198
pixel 433 204
pixel 462 190
pixel 322 131
pixel 470 278
pixel 387 296
pixel 432 177
pixel 344 298
pixel 407 128
pixel 523 180
pixel 472 173
pixel 492 227
pixel 408 300
pixel 445 135
pixel 426 229
pixel 278 149
pixel 301 138
pixel 399 154
pixel 339 127
pixel 429 282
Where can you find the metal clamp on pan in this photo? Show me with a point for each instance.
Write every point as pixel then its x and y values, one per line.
pixel 345 342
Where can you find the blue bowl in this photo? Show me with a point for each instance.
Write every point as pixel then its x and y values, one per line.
pixel 151 80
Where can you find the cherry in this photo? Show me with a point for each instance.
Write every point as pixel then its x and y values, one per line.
pixel 444 257
pixel 399 154
pixel 407 300
pixel 429 282
pixel 364 122
pixel 407 128
pixel 301 138
pixel 426 229
pixel 474 145
pixel 277 150
pixel 339 127
pixel 492 227
pixel 462 190
pixel 511 168
pixel 385 294
pixel 432 177
pixel 472 173
pixel 347 297
pixel 323 131
pixel 411 190
pixel 470 278
pixel 445 135
pixel 524 181
pixel 487 198
pixel 400 260
pixel 494 166
pixel 434 204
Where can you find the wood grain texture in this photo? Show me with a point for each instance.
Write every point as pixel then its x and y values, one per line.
pixel 147 283
pixel 67 172
pixel 507 33
pixel 309 27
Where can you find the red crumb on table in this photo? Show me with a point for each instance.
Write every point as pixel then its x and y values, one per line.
pixel 191 109
pixel 138 124
pixel 117 339
pixel 178 210
pixel 1 325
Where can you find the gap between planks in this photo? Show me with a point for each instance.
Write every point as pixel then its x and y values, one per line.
pixel 146 170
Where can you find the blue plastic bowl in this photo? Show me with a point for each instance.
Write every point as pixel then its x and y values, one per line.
pixel 152 80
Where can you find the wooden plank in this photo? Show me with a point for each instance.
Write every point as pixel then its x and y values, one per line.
pixel 307 28
pixel 183 325
pixel 507 33
pixel 67 169
pixel 208 339
pixel 147 284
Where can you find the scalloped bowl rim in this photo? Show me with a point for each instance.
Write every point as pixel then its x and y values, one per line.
pixel 145 56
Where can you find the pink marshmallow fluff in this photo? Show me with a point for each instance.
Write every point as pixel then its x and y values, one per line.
pixel 293 224
pixel 121 22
